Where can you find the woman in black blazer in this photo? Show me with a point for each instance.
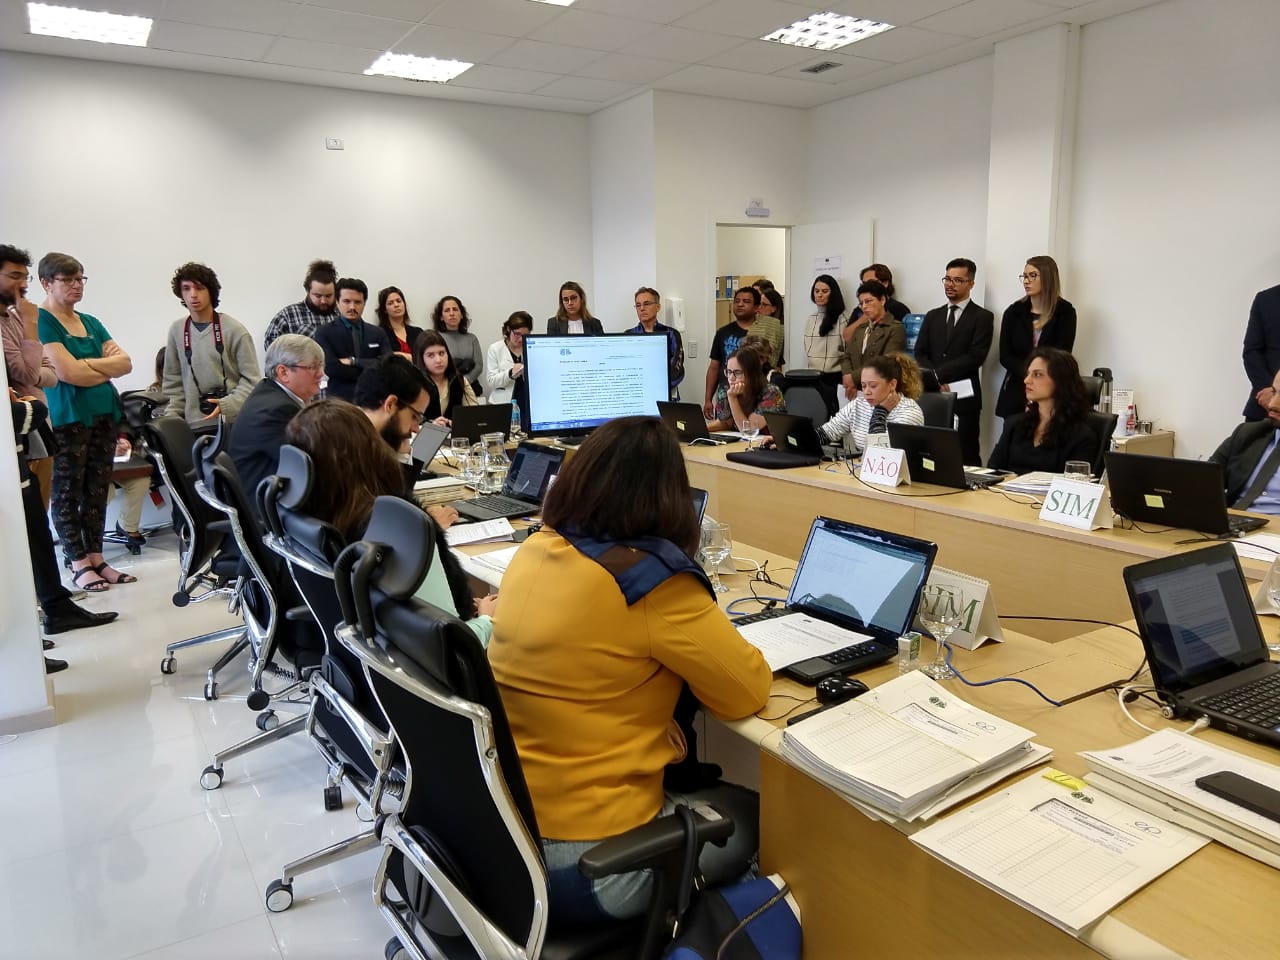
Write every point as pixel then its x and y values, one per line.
pixel 1042 318
pixel 573 309
pixel 1053 427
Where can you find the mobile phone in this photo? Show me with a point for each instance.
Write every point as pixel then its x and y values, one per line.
pixel 1242 791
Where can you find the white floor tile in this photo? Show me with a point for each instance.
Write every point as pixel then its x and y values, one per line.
pixel 246 940
pixel 335 925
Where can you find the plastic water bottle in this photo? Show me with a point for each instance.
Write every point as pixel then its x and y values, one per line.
pixel 515 419
pixel 1130 421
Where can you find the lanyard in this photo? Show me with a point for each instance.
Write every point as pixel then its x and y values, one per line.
pixel 217 343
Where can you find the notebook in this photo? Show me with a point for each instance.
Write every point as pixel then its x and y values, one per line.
pixel 864 583
pixel 796 441
pixel 533 469
pixel 933 455
pixel 687 420
pixel 1203 641
pixel 1174 493
pixel 475 421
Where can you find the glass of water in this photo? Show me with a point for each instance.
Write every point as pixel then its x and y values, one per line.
pixel 459 447
pixel 716 545
pixel 941 609
pixel 749 431
pixel 1078 470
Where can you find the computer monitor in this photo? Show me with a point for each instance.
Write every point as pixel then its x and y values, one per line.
pixel 578 383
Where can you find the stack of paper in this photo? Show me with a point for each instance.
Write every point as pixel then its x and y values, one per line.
pixel 1063 851
pixel 907 745
pixel 439 490
pixel 1036 484
pixel 483 531
pixel 1158 773
pixel 488 567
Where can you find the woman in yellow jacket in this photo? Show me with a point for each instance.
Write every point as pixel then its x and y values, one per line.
pixel 601 621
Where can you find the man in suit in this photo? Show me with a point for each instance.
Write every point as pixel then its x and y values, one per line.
pixel 1249 459
pixel 350 345
pixel 295 370
pixel 1262 350
pixel 954 342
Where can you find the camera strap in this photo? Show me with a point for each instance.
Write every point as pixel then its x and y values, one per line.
pixel 218 345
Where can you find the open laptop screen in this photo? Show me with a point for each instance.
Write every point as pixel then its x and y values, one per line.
pixel 1195 616
pixel 533 468
pixel 859 577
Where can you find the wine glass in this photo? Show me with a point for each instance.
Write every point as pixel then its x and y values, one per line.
pixel 941 610
pixel 750 431
pixel 716 544
pixel 1273 595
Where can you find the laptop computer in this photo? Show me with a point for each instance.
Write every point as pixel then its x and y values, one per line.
pixel 1203 641
pixel 422 451
pixel 860 580
pixel 533 469
pixel 796 441
pixel 933 455
pixel 475 421
pixel 687 420
pixel 1174 493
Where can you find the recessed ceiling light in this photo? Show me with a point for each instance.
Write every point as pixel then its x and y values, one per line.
pixel 50 21
pixel 409 67
pixel 828 31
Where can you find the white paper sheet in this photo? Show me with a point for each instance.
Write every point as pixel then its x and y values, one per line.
pixel 796 636
pixel 961 388
pixel 483 531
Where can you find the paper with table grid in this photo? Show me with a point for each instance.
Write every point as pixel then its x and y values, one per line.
pixel 1068 855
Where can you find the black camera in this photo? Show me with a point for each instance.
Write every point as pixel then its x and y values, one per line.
pixel 209 401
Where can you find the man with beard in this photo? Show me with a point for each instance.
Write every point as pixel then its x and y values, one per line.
pixel 1249 459
pixel 30 371
pixel 318 309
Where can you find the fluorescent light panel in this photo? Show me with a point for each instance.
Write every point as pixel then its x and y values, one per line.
pixel 828 31
pixel 74 24
pixel 409 67
pixel 555 3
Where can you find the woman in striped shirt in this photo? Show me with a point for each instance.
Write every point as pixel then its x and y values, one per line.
pixel 890 384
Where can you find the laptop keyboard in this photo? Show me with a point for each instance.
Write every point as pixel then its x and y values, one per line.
pixel 499 503
pixel 1237 524
pixel 1257 702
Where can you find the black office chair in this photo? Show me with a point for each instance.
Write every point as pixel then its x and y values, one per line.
pixel 462 872
pixel 939 409
pixel 139 407
pixel 1103 426
pixel 804 398
pixel 208 561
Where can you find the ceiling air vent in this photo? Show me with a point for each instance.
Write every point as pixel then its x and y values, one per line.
pixel 822 67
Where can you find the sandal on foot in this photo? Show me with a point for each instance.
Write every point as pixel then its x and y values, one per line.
pixel 101 585
pixel 121 576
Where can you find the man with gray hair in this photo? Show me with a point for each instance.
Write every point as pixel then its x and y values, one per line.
pixel 295 370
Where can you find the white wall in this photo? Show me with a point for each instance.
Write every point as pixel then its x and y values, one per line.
pixel 1176 200
pixel 136 170
pixel 752 252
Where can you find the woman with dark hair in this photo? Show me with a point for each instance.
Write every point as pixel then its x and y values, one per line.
pixel 884 276
pixel 336 434
pixel 1042 318
pixel 445 384
pixel 1052 428
pixel 504 363
pixel 890 385
pixel 450 319
pixel 572 315
pixel 746 394
pixel 393 317
pixel 84 411
pixel 771 305
pixel 822 344
pixel 875 332
pixel 591 666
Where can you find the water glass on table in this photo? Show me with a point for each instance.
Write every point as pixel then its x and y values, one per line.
pixel 749 431
pixel 459 447
pixel 715 546
pixel 1080 470
pixel 941 609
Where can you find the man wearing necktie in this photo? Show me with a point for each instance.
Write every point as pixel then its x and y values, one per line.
pixel 953 342
pixel 1249 459
pixel 350 345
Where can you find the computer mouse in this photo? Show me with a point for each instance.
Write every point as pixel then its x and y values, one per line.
pixel 840 689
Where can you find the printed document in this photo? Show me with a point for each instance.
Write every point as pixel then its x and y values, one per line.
pixel 793 637
pixel 483 531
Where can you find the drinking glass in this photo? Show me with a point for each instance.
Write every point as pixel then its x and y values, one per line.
pixel 941 609
pixel 459 447
pixel 749 431
pixel 1079 470
pixel 1273 596
pixel 716 545
pixel 473 468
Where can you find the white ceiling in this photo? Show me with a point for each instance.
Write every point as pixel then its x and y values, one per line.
pixel 577 59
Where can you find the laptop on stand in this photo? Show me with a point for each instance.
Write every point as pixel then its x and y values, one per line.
pixel 1173 492
pixel 796 443
pixel 933 455
pixel 533 469
pixel 687 420
pixel 1203 641
pixel 861 581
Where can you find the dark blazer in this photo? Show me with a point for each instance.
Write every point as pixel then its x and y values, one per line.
pixel 1262 347
pixel 1017 340
pixel 887 336
pixel 337 343
pixel 558 328
pixel 1016 450
pixel 962 354
pixel 1239 455
pixel 258 433
pixel 411 333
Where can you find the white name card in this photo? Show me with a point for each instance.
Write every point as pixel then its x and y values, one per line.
pixel 979 621
pixel 1076 503
pixel 884 466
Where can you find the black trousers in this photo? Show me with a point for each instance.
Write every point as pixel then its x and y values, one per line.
pixel 44 561
pixel 967 425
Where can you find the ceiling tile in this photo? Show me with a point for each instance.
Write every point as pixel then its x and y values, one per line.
pixel 655 11
pixel 209 41
pixel 510 18
pixel 901 43
pixel 629 69
pixel 449 44
pixel 745 18
pixel 897 12
pixel 752 87
pixel 761 56
pixel 551 57
pixel 981 17
pixel 577 28
pixel 335 26
pixel 583 88
pixel 412 10
pixel 258 16
pixel 485 77
pixel 687 46
pixel 320 56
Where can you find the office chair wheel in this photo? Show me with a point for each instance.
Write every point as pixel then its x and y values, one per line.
pixel 333 797
pixel 181 599
pixel 279 896
pixel 267 720
pixel 211 777
pixel 393 951
pixel 168 665
pixel 258 700
pixel 211 691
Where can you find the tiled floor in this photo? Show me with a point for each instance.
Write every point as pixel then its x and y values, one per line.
pixel 111 850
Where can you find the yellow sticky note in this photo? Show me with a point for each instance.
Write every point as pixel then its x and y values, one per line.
pixel 680 425
pixel 928 464
pixel 1064 779
pixel 793 441
pixel 1154 500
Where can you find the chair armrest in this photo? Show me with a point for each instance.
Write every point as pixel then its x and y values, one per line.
pixel 220 526
pixel 300 612
pixel 655 843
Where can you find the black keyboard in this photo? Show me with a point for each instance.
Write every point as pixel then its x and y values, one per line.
pixel 1257 702
pixel 1237 524
pixel 499 503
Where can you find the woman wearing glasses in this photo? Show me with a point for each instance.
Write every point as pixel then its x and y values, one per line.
pixel 747 395
pixel 84 409
pixel 572 316
pixel 1042 318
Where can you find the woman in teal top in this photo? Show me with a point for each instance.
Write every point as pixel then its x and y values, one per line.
pixel 84 410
